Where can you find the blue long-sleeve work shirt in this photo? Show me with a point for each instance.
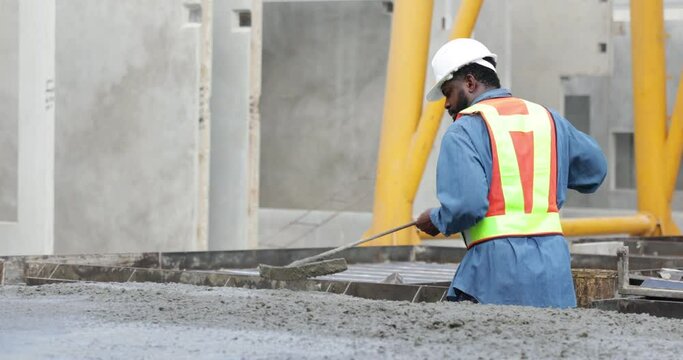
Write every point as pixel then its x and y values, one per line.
pixel 531 271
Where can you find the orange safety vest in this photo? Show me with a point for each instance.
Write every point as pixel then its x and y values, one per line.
pixel 523 193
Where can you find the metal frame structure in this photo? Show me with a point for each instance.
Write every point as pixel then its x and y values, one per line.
pixel 408 130
pixel 624 283
pixel 227 268
pixel 635 297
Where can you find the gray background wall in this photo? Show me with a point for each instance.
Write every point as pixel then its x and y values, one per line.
pixel 611 111
pixel 323 83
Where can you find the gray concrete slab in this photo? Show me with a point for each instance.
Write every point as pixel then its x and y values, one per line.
pixel 155 321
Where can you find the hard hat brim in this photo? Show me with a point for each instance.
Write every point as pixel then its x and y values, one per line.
pixel 435 92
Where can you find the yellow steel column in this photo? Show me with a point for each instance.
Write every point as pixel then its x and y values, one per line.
pixel 408 51
pixel 649 110
pixel 421 145
pixel 674 143
pixel 638 224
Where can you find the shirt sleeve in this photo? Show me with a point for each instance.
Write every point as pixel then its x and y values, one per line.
pixel 587 163
pixel 461 184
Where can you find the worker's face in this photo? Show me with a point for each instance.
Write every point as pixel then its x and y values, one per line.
pixel 458 93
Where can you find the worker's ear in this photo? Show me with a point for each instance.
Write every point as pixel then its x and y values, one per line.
pixel 470 83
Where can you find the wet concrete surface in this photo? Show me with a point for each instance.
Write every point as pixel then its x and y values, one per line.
pixel 154 321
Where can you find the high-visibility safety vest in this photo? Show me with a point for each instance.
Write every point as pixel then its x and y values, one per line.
pixel 523 193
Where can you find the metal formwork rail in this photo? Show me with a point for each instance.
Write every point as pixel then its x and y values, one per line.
pixel 47 273
pixel 625 287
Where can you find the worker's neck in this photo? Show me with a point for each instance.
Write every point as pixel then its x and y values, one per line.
pixel 480 90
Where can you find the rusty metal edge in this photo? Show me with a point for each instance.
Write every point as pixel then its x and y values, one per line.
pixel 215 260
pixel 624 284
pixel 62 273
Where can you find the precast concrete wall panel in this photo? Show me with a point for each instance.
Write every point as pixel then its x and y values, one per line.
pixel 126 126
pixel 230 163
pixel 9 101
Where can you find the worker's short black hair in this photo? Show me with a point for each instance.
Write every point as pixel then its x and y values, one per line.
pixel 481 73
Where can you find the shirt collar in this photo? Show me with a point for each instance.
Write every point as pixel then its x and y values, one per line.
pixel 492 94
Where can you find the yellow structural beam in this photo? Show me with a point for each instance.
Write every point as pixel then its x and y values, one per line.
pixel 408 52
pixel 639 224
pixel 407 138
pixel 674 143
pixel 428 126
pixel 649 111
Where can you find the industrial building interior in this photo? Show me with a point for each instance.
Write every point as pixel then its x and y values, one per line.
pixel 156 154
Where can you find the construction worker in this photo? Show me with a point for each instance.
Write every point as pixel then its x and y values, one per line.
pixel 502 174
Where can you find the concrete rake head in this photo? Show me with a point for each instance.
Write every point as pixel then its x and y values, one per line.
pixel 303 271
pixel 311 267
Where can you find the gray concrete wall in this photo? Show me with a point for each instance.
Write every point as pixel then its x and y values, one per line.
pixel 612 108
pixel 126 126
pixel 9 101
pixel 548 42
pixel 324 66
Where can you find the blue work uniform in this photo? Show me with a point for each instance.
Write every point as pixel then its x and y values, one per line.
pixel 533 271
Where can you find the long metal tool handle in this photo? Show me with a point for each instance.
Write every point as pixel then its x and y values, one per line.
pixel 348 246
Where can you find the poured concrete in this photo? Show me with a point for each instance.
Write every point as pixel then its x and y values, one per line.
pixel 181 321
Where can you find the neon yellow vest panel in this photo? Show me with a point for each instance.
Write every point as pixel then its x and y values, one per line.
pixel 523 192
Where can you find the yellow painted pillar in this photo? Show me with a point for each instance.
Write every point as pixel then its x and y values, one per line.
pixel 408 52
pixel 428 126
pixel 649 110
pixel 674 142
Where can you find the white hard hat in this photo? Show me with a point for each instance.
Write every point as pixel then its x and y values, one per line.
pixel 452 56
